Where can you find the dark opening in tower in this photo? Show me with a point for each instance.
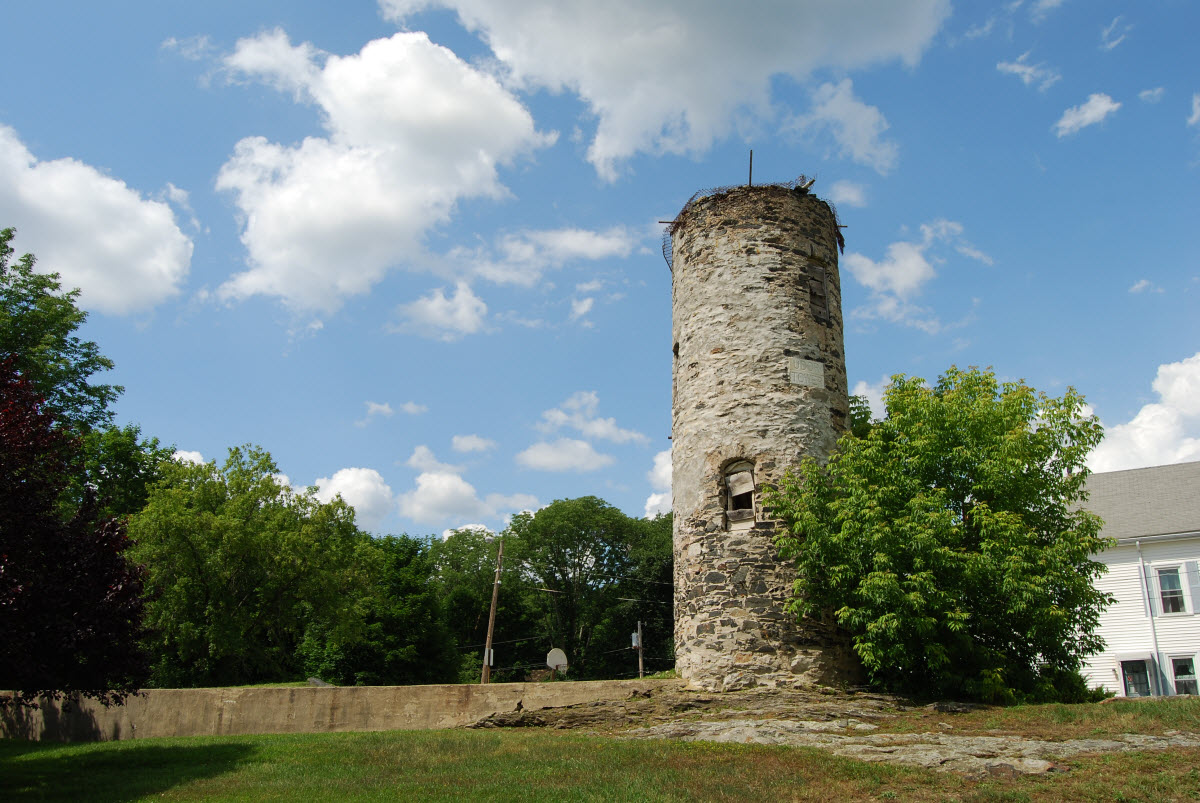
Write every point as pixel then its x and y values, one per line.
pixel 739 494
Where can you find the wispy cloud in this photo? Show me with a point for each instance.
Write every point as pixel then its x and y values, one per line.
pixel 897 280
pixel 1097 107
pixel 444 318
pixel 856 127
pixel 1030 74
pixel 1114 34
pixel 375 410
pixel 1042 8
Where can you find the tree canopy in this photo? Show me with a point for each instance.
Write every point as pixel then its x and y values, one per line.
pixel 949 542
pixel 37 332
pixel 70 603
pixel 240 566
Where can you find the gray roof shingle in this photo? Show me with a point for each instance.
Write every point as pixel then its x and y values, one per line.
pixel 1142 502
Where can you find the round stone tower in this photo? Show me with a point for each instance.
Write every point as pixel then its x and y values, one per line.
pixel 759 381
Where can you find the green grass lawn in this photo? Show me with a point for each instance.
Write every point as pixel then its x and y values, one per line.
pixel 534 765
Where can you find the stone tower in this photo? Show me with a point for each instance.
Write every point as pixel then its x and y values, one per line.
pixel 759 381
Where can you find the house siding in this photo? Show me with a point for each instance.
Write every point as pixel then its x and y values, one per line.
pixel 1131 631
pixel 1154 515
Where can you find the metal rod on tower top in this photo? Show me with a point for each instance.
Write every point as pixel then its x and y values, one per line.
pixel 487 648
pixel 750 181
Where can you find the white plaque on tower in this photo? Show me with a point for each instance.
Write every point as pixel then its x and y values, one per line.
pixel 808 373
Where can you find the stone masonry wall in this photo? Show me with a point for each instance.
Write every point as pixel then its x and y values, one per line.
pixel 759 377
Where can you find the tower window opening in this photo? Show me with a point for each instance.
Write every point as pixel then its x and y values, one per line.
pixel 739 493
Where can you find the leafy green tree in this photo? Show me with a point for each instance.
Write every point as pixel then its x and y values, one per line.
pixel 577 552
pixel 463 571
pixel 645 594
pixel 37 331
pixel 949 542
pixel 118 468
pixel 240 566
pixel 405 638
pixel 860 416
pixel 70 602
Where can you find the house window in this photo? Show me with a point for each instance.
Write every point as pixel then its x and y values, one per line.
pixel 1170 590
pixel 1137 678
pixel 1184 670
pixel 739 494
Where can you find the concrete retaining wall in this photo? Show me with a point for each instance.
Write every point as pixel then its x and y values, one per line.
pixel 219 712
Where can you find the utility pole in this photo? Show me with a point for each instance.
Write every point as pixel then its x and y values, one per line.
pixel 641 669
pixel 487 648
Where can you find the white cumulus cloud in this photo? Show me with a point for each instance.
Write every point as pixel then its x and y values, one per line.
pixel 445 498
pixel 423 459
pixel 580 412
pixel 1163 432
pixel 673 76
pixel 442 318
pixel 187 456
pixel 363 489
pixel 564 454
pixel 410 130
pixel 1092 111
pixel 125 252
pixel 848 193
pixel 873 393
pixel 659 477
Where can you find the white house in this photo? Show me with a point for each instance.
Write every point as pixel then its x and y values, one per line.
pixel 1152 630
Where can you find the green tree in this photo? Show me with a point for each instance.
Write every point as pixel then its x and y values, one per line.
pixel 463 571
pixel 577 552
pixel 405 638
pixel 70 603
pixel 118 468
pixel 949 542
pixel 645 594
pixel 37 331
pixel 240 567
pixel 860 416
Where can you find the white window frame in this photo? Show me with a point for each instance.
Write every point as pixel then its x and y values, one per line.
pixel 1175 678
pixel 1160 600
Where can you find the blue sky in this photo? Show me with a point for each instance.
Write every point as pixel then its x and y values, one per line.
pixel 411 248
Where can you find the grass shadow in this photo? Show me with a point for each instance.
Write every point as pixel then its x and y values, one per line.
pixel 110 772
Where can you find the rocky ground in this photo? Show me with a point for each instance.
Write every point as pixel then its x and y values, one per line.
pixel 870 727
